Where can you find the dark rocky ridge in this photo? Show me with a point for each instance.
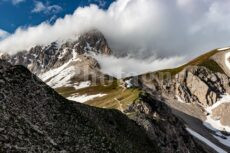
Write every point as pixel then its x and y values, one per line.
pixel 34 118
pixel 163 126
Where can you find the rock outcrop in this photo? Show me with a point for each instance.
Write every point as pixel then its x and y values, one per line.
pixel 34 118
pixel 222 113
pixel 162 125
pixel 194 84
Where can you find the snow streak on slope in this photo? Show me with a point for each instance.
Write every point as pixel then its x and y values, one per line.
pixel 206 141
pixel 61 76
pixel 215 124
pixel 225 48
pixel 227 62
pixel 82 85
pixel 84 98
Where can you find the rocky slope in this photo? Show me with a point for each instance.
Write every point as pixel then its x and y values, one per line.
pixel 34 118
pixel 162 125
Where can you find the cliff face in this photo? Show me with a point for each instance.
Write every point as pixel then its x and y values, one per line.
pixel 201 81
pixel 34 118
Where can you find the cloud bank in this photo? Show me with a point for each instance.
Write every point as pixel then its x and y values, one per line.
pixel 122 67
pixel 140 28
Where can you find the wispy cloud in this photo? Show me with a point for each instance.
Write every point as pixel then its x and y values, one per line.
pixel 3 34
pixel 46 8
pixel 128 66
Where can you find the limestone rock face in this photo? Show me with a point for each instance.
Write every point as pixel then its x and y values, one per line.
pixel 200 85
pixel 222 113
pixel 195 84
pixel 34 118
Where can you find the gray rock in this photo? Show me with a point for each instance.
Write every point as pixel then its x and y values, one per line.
pixel 162 125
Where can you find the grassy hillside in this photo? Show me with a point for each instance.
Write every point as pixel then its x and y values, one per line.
pixel 117 96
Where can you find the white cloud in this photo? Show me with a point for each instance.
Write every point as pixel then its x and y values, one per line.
pixel 3 34
pixel 127 66
pixel 141 28
pixel 46 8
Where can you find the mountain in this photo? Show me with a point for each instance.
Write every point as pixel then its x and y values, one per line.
pixel 54 62
pixel 34 118
pixel 168 105
pixel 50 120
pixel 198 92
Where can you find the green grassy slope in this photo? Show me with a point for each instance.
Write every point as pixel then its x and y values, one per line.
pixel 117 96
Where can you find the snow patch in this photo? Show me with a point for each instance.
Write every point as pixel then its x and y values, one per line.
pixel 225 48
pixel 223 139
pixel 60 76
pixel 206 141
pixel 74 53
pixel 83 85
pixel 128 83
pixel 179 99
pixel 215 125
pixel 85 97
pixel 227 63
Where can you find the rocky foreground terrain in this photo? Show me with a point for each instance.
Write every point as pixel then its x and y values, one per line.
pixel 182 110
pixel 34 118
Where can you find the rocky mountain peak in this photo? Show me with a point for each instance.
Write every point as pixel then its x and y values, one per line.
pixel 94 41
pixel 40 59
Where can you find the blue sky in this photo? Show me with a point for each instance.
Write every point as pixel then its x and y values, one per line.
pixel 24 13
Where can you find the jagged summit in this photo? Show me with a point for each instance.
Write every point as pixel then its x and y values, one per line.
pixel 94 41
pixel 66 63
pixel 42 58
